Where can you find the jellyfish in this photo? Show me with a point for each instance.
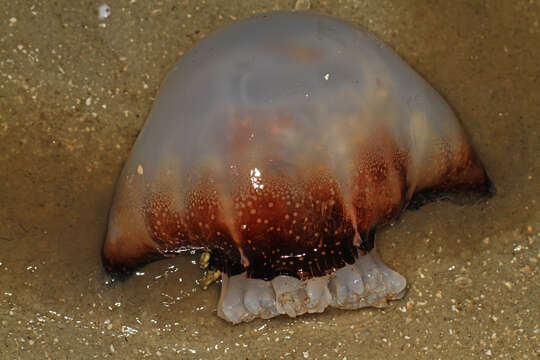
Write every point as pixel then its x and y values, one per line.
pixel 279 144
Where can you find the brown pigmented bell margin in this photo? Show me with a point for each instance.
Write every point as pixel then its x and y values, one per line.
pixel 281 231
pixel 199 227
pixel 120 261
pixel 379 182
pixel 467 174
pixel 292 226
pixel 298 226
pixel 299 230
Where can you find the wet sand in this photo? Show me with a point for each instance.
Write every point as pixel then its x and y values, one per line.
pixel 75 91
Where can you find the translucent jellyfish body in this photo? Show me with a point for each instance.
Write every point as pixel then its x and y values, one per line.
pixel 280 143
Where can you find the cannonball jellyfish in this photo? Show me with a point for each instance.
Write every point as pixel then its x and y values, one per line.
pixel 280 143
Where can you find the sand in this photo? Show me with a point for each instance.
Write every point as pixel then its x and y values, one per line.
pixel 74 92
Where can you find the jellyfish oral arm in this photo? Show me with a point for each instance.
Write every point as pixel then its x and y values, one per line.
pixel 367 282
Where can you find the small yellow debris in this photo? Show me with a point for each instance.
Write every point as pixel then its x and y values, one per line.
pixel 204 260
pixel 210 277
pixel 140 169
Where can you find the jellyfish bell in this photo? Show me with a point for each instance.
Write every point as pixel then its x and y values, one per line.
pixel 280 143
